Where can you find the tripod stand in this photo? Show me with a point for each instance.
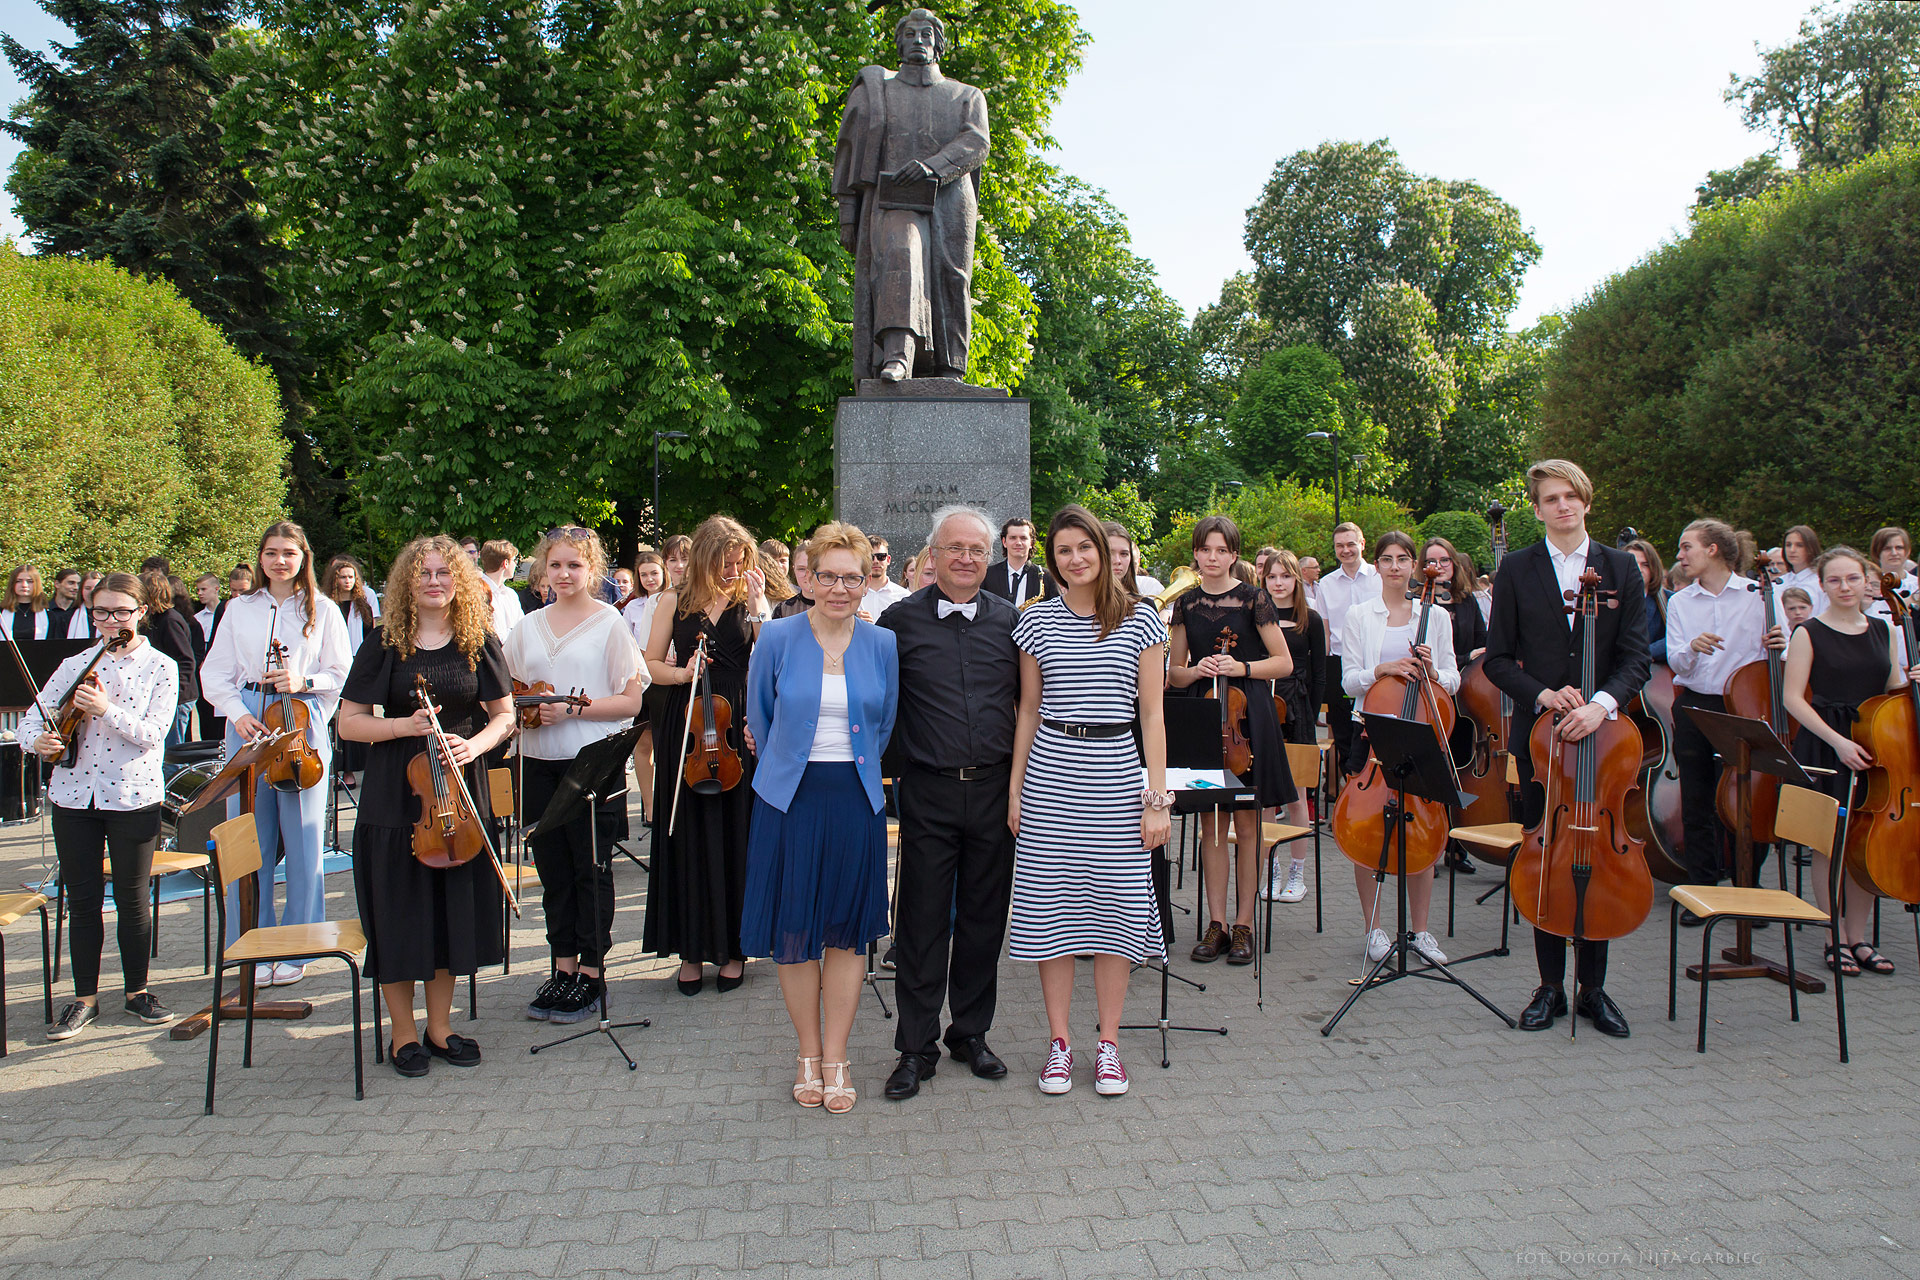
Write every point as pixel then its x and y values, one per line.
pixel 1413 759
pixel 599 769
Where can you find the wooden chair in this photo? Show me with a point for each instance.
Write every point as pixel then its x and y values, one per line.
pixel 1305 763
pixel 12 907
pixel 236 859
pixel 1806 818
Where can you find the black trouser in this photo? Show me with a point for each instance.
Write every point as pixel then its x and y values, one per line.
pixel 956 877
pixel 1340 722
pixel 565 861
pixel 1705 839
pixel 1549 949
pixel 128 839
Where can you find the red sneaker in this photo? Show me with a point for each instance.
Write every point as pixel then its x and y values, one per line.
pixel 1109 1077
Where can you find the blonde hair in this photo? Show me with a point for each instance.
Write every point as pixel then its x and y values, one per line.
pixel 837 535
pixel 779 587
pixel 469 612
pixel 1559 469
pixel 707 561
pixel 39 601
pixel 585 541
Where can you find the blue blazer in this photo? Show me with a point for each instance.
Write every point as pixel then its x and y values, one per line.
pixel 783 703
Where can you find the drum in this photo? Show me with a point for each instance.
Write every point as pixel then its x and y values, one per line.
pixel 187 784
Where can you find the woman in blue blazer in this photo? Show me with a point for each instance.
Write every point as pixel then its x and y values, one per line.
pixel 821 693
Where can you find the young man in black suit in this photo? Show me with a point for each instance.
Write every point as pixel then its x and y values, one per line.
pixel 1017 578
pixel 1533 654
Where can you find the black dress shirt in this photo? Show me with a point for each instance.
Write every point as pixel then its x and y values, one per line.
pixel 959 681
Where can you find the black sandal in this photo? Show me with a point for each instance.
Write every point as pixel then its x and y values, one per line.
pixel 457 1052
pixel 1873 960
pixel 410 1059
pixel 1846 966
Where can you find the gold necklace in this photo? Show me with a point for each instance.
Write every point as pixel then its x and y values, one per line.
pixel 833 659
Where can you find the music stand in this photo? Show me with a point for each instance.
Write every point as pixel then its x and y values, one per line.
pixel 599 769
pixel 1188 747
pixel 1414 759
pixel 1749 744
pixel 42 658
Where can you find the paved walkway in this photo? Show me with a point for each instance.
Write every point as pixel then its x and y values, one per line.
pixel 1424 1139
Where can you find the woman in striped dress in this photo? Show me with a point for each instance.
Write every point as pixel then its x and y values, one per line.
pixel 1083 828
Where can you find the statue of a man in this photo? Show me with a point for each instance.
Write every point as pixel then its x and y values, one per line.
pixel 906 171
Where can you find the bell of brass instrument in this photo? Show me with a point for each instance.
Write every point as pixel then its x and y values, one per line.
pixel 1184 579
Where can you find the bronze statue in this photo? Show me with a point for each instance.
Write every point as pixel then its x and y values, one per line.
pixel 906 171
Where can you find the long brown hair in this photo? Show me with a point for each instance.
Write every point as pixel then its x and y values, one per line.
pixel 39 587
pixel 1460 583
pixel 1657 570
pixel 305 585
pixel 361 605
pixel 1111 604
pixel 707 560
pixel 1131 579
pixel 469 613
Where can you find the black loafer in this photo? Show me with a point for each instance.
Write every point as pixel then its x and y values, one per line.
pixel 1548 1003
pixel 410 1060
pixel 1595 1006
pixel 906 1077
pixel 979 1059
pixel 457 1052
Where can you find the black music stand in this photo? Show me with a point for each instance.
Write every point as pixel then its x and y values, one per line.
pixel 600 769
pixel 1412 756
pixel 43 658
pixel 1193 742
pixel 1749 744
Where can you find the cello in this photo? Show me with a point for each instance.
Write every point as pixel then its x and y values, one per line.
pixel 1359 821
pixel 1484 776
pixel 450 831
pixel 1654 815
pixel 1580 873
pixel 1757 691
pixel 1883 840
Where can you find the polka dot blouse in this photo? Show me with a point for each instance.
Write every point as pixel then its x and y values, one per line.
pixel 119 761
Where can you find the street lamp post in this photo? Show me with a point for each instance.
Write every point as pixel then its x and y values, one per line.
pixel 1335 437
pixel 658 436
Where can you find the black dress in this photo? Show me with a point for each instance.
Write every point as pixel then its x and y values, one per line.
pixel 419 919
pixel 698 886
pixel 1238 613
pixel 1847 670
pixel 1306 688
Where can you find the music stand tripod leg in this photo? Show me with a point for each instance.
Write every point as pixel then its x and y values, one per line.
pixel 1165 1024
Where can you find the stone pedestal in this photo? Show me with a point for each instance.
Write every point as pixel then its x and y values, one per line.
pixel 899 458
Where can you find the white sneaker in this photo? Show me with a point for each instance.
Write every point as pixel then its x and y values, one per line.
pixel 1058 1076
pixel 1378 944
pixel 1296 888
pixel 285 975
pixel 263 975
pixel 1424 943
pixel 1270 892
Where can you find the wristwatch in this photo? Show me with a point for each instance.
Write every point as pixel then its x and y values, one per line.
pixel 1156 799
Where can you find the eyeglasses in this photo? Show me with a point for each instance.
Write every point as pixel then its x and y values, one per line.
pixel 436 575
pixel 956 551
pixel 112 615
pixel 831 580
pixel 570 531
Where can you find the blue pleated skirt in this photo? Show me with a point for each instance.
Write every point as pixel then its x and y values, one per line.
pixel 816 874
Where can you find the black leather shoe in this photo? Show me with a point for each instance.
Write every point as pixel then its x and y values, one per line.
pixel 1688 920
pixel 906 1078
pixel 1596 1007
pixel 1462 864
pixel 1548 1003
pixel 981 1060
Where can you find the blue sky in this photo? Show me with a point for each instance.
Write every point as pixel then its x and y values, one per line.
pixel 1594 119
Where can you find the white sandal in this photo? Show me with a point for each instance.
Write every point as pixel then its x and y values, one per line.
pixel 810 1084
pixel 842 1092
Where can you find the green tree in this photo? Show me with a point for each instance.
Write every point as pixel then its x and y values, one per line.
pixel 1286 395
pixel 1283 512
pixel 1844 89
pixel 1121 503
pixel 1484 441
pixel 1467 531
pixel 129 425
pixel 1752 177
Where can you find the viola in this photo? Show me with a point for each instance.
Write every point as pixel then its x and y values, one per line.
pixel 713 766
pixel 1489 708
pixel 529 698
pixel 1580 873
pixel 449 831
pixel 1883 838
pixel 1654 815
pixel 1359 821
pixel 1758 692
pixel 1236 746
pixel 295 764
pixel 69 721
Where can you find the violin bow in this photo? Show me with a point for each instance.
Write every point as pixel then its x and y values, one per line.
pixel 33 686
pixel 686 735
pixel 460 780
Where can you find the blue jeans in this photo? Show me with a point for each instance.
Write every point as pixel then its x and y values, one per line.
pixel 299 816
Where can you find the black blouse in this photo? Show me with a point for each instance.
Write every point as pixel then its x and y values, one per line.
pixel 1238 612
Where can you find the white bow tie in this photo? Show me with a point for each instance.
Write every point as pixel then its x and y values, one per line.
pixel 949 607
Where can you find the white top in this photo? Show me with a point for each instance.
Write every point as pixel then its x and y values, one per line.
pixel 1338 592
pixel 118 765
pixel 507 610
pixel 238 654
pixel 357 630
pixel 1365 642
pixel 597 658
pixel 39 623
pixel 1567 568
pixel 1148 584
pixel 832 738
pixel 1878 608
pixel 80 626
pixel 639 618
pixel 1395 643
pixel 1737 615
pixel 1808 581
pixel 205 618
pixel 879 599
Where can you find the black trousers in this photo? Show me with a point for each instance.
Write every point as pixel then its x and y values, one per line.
pixel 1706 838
pixel 956 878
pixel 567 868
pixel 128 840
pixel 1346 731
pixel 1550 950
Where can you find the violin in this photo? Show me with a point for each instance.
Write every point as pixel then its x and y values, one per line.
pixel 712 766
pixel 450 831
pixel 1883 838
pixel 1758 692
pixel 529 698
pixel 294 765
pixel 1580 873
pixel 1236 746
pixel 1359 815
pixel 69 721
pixel 1489 708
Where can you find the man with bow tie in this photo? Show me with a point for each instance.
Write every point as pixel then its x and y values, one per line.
pixel 953 743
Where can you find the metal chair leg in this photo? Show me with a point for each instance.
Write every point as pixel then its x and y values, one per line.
pixel 379 1027
pixel 359 1069
pixel 1673 959
pixel 252 987
pixel 1793 989
pixel 213 1032
pixel 473 1000
pixel 1839 990
pixel 1706 957
pixel 46 967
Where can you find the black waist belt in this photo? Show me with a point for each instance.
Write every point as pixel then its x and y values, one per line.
pixel 1089 730
pixel 970 772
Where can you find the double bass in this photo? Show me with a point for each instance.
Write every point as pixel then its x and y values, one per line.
pixel 1883 837
pixel 1484 776
pixel 1654 815
pixel 1580 873
pixel 1758 692
pixel 1359 821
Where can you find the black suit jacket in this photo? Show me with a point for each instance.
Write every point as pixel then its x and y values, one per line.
pixel 1000 583
pixel 1531 647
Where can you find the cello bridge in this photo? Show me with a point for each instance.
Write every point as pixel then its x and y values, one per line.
pixel 1593 829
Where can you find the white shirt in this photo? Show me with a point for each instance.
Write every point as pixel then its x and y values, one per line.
pixel 205 618
pixel 1567 568
pixel 1737 615
pixel 597 658
pixel 238 654
pixel 880 599
pixel 639 618
pixel 118 764
pixel 1366 640
pixel 832 736
pixel 80 626
pixel 507 610
pixel 1148 584
pixel 1338 592
pixel 39 623
pixel 1808 581
pixel 1017 579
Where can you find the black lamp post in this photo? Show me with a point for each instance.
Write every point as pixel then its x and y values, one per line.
pixel 658 436
pixel 1335 437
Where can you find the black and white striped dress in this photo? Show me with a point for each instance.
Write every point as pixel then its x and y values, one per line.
pixel 1081 881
